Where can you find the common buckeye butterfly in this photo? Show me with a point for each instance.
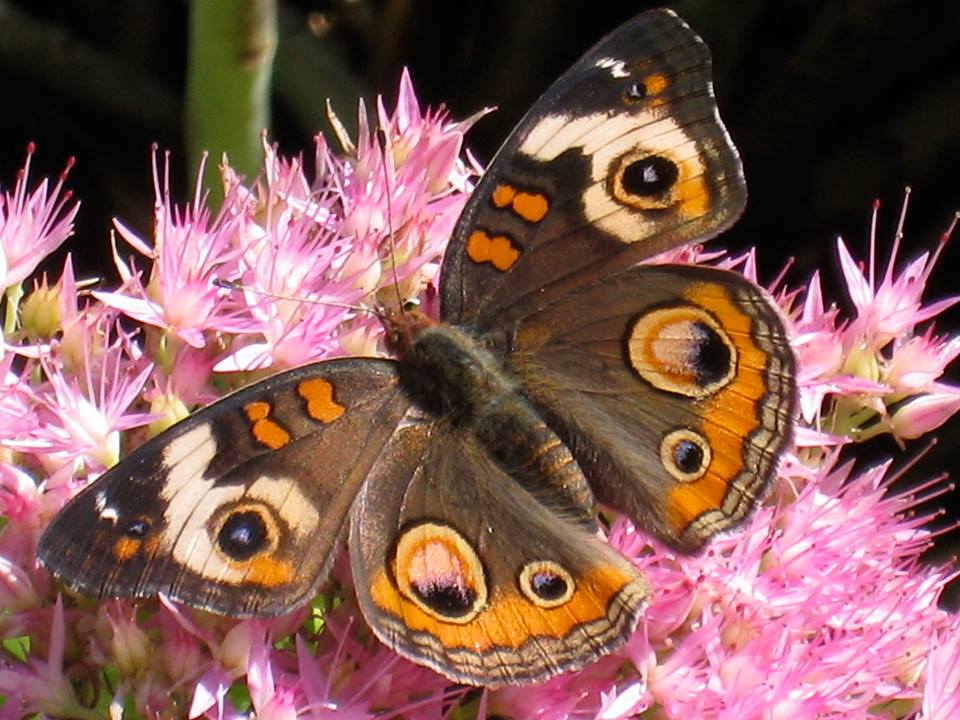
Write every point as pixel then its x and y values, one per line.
pixel 465 472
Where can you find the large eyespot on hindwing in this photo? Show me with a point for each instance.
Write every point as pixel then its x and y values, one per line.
pixel 439 571
pixel 681 349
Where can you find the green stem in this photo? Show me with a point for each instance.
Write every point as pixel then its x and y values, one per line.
pixel 232 44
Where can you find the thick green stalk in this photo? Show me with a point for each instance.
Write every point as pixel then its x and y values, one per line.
pixel 232 45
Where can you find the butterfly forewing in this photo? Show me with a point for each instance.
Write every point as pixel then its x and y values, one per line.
pixel 622 158
pixel 219 511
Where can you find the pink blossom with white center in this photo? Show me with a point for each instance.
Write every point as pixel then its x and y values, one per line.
pixel 924 412
pixel 295 302
pixel 186 385
pixel 18 415
pixel 20 498
pixel 864 373
pixel 32 224
pixel 419 180
pixel 80 418
pixel 17 591
pixel 920 360
pixel 888 310
pixel 190 251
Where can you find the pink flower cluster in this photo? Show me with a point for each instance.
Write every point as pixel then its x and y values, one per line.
pixel 818 607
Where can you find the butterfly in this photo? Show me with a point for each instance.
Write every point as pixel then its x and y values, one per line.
pixel 465 473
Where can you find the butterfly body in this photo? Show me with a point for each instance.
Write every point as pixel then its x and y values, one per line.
pixel 465 471
pixel 452 376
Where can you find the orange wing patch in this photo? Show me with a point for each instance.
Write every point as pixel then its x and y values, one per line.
pixel 498 250
pixel 320 403
pixel 508 620
pixel 265 431
pixel 530 206
pixel 656 83
pixel 126 547
pixel 730 414
pixel 268 572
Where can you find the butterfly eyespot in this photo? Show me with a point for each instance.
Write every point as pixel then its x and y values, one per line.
pixel 448 596
pixel 136 529
pixel 682 350
pixel 546 584
pixel 437 569
pixel 685 454
pixel 643 180
pixel 649 176
pixel 243 534
pixel 636 91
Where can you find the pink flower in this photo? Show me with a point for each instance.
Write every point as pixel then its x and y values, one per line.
pixel 32 224
pixel 867 371
pixel 887 310
pixel 40 686
pixel 350 677
pixel 190 250
pixel 79 417
pixel 271 700
pixel 924 412
pixel 941 696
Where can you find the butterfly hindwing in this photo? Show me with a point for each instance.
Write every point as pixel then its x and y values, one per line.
pixel 623 157
pixel 673 386
pixel 218 512
pixel 458 567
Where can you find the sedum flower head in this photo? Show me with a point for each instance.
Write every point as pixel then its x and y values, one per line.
pixel 817 607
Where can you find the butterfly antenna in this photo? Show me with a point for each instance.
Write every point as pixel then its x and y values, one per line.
pixel 237 285
pixel 391 239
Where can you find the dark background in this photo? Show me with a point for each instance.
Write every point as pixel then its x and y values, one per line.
pixel 831 105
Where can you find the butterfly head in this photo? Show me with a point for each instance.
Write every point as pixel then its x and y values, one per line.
pixel 402 326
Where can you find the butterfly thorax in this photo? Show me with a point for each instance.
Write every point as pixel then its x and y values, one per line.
pixel 444 369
